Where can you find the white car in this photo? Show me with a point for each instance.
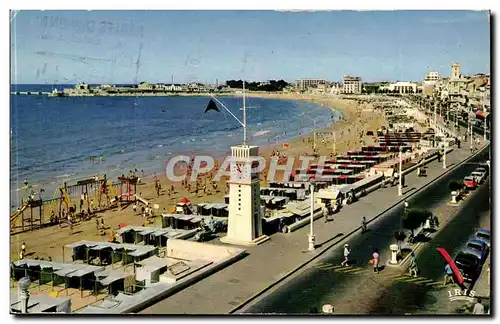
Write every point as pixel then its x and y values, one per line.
pixel 479 176
pixel 482 170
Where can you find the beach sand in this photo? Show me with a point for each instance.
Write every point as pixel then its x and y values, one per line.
pixel 356 120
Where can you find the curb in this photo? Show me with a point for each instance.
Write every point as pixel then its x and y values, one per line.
pixel 319 253
pixel 417 246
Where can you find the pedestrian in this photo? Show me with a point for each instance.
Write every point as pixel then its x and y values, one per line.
pixel 448 275
pixel 146 211
pixel 97 224
pixel 363 225
pixel 347 251
pixel 413 265
pixel 478 308
pixel 376 260
pixel 325 215
pixel 134 208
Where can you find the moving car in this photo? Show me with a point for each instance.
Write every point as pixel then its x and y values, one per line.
pixel 478 248
pixel 479 176
pixel 470 182
pixel 469 266
pixel 483 235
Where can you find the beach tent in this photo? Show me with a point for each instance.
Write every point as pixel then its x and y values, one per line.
pixel 184 200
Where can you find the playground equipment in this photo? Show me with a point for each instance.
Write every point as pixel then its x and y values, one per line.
pixel 31 204
pixel 130 183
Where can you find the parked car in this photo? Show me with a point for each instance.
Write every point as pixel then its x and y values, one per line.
pixel 483 235
pixel 482 169
pixel 478 248
pixel 479 176
pixel 470 182
pixel 469 266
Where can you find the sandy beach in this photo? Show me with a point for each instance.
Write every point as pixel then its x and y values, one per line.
pixel 350 134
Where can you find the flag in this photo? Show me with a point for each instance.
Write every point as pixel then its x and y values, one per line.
pixel 211 106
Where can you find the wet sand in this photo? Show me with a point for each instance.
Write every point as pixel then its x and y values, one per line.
pixel 49 241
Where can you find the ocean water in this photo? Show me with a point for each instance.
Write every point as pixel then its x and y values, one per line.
pixel 52 138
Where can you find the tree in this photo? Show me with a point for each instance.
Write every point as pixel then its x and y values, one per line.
pixel 413 218
pixel 455 185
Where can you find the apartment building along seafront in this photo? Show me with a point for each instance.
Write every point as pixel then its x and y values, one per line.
pixel 352 85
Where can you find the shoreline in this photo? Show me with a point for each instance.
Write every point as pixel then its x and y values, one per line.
pixel 158 166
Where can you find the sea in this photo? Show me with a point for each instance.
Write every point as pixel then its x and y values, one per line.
pixel 52 138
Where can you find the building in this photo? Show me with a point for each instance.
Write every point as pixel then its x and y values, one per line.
pixel 352 85
pixel 455 71
pixel 402 87
pixel 431 78
pixel 336 88
pixel 304 84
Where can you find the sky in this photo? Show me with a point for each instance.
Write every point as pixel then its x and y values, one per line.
pixel 56 47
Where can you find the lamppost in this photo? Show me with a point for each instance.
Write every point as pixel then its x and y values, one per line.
pixel 470 126
pixel 485 126
pixel 311 237
pixel 405 210
pixel 400 185
pixel 435 113
pixel 24 293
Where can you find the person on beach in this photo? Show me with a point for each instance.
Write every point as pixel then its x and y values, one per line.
pixel 23 250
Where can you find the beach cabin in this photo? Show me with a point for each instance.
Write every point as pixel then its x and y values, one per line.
pixel 214 209
pixel 68 275
pixel 104 253
pixel 153 235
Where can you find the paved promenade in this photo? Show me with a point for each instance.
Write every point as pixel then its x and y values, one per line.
pixel 267 263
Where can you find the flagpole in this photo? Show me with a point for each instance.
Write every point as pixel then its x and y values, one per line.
pixel 244 117
pixel 229 111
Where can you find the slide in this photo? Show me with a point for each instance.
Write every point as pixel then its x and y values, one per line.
pixel 449 260
pixel 66 198
pixel 18 212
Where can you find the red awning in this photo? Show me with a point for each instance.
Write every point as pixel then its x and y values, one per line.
pixel 452 264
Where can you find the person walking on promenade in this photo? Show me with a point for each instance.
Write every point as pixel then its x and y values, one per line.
pixel 376 259
pixel 325 215
pixel 363 225
pixel 478 308
pixel 448 276
pixel 413 265
pixel 347 251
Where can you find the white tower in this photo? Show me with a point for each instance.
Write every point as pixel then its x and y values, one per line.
pixel 245 219
pixel 455 71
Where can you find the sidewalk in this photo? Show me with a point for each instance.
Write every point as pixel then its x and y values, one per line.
pixel 482 286
pixel 269 262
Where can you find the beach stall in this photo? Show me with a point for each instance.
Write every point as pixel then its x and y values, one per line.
pixel 115 281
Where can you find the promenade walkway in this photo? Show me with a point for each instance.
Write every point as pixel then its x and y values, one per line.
pixel 221 292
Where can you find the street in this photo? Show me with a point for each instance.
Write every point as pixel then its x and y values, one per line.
pixel 356 289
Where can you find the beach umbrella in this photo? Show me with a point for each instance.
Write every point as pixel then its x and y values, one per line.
pixel 184 200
